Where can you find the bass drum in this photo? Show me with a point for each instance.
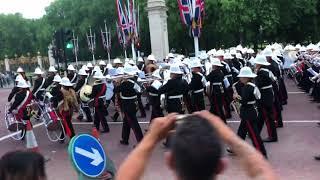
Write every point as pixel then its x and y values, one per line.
pixel 13 125
pixel 53 125
pixel 51 120
pixel 86 90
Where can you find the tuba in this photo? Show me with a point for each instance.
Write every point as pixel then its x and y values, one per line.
pixel 84 92
pixel 151 68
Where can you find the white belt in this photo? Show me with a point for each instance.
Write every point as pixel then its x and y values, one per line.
pixel 217 84
pixel 101 97
pixel 198 91
pixel 251 102
pixel 128 98
pixel 229 75
pixel 267 87
pixel 152 94
pixel 175 97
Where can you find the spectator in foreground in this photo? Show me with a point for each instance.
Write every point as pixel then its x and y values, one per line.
pixel 195 151
pixel 22 165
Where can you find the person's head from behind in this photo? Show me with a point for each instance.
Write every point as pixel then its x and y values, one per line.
pixel 195 150
pixel 22 165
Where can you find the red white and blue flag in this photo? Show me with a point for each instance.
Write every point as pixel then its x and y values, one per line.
pixel 121 36
pixel 191 14
pixel 123 19
pixel 106 40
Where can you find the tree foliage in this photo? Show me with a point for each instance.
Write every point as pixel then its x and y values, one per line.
pixel 226 23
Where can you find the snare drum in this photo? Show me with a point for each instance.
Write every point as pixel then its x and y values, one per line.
pixel 51 120
pixel 13 124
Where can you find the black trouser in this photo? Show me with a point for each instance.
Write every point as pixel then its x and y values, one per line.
pixel 283 94
pixel 267 117
pixel 86 110
pixel 277 106
pixel 197 102
pixel 216 106
pixel 174 106
pixel 315 92
pixel 156 109
pixel 227 99
pixel 140 105
pixel 249 125
pixel 99 116
pixel 130 120
pixel 116 113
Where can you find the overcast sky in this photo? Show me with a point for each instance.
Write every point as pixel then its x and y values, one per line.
pixel 31 9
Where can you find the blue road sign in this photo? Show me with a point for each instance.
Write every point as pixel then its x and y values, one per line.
pixel 88 155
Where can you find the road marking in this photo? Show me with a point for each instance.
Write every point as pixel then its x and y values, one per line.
pixel 120 123
pixel 111 123
pixel 13 134
pixel 293 121
pixel 296 92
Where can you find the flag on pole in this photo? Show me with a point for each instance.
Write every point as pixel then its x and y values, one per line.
pixel 128 20
pixel 191 14
pixel 185 12
pixel 123 19
pixel 121 37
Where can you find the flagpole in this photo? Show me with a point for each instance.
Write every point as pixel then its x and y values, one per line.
pixel 109 58
pixel 134 56
pixel 75 46
pixel 107 39
pixel 196 46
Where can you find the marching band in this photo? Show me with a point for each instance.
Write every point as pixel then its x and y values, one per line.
pixel 234 79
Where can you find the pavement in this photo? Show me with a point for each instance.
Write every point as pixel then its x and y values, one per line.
pixel 291 157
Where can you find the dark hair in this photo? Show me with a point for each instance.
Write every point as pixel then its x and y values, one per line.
pixel 20 165
pixel 196 149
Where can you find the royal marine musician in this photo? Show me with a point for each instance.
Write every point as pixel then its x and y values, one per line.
pixel 128 90
pixel 197 86
pixel 248 94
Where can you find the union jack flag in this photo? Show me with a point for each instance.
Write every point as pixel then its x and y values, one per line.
pixel 121 37
pixel 185 12
pixel 191 12
pixel 123 18
pixel 106 40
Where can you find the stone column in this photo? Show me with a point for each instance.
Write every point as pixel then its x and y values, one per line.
pixel 6 63
pixel 52 61
pixel 157 13
pixel 39 60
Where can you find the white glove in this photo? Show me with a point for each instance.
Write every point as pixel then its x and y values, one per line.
pixel 15 111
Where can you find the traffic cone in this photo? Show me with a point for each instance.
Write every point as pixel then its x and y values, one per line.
pixel 32 144
pixel 95 133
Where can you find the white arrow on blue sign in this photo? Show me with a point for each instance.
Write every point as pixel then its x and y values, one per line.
pixel 88 155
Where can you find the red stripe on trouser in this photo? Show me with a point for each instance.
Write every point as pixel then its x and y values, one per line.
pixel 131 126
pixel 275 115
pixel 65 124
pixel 216 105
pixel 265 117
pixel 253 136
pixel 225 106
